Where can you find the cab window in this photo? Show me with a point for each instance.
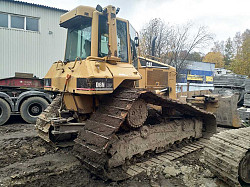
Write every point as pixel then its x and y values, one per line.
pixel 133 34
pixel 103 37
pixel 122 41
pixel 79 40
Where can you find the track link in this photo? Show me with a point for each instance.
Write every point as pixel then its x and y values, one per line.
pixel 160 159
pixel 100 132
pixel 227 155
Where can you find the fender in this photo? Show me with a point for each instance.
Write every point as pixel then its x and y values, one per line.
pixel 27 94
pixel 8 99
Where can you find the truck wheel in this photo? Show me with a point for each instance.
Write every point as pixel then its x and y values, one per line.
pixel 32 108
pixel 4 111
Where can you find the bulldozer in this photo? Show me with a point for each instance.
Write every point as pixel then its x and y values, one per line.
pixel 105 90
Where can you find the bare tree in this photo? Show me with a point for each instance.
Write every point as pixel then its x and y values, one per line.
pixel 173 43
pixel 237 42
pixel 156 28
pixel 219 46
pixel 185 39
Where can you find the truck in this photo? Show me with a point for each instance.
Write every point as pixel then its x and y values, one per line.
pixel 23 94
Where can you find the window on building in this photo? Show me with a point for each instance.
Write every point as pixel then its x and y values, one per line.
pixel 31 24
pixel 17 22
pixel 3 20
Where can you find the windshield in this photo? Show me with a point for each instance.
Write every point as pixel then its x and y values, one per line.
pixel 122 42
pixel 79 41
pixel 103 36
pixel 133 34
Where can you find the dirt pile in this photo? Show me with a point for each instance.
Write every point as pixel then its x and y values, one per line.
pixel 27 160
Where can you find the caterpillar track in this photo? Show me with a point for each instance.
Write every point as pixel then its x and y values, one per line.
pixel 114 135
pixel 104 147
pixel 162 159
pixel 228 155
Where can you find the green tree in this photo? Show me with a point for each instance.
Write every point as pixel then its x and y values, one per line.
pixel 241 62
pixel 229 52
pixel 215 57
pixel 195 56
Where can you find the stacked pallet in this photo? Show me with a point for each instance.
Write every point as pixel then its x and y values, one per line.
pixel 247 100
pixel 244 112
pixel 247 85
pixel 229 84
pixel 235 84
pixel 230 80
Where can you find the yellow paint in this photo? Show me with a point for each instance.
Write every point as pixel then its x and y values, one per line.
pixel 110 66
pixel 209 79
pixel 157 78
pixel 81 103
pixel 195 77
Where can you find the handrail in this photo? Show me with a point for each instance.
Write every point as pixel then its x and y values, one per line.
pixel 95 58
pixel 71 68
pixel 59 61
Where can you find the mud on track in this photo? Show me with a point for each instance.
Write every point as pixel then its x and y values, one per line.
pixel 27 160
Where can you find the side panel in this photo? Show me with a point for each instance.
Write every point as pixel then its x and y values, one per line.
pixel 142 82
pixel 172 83
pixel 157 76
pixel 83 103
pixel 123 71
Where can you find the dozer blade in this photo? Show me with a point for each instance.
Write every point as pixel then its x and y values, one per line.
pixel 226 113
pixel 223 106
pixel 43 122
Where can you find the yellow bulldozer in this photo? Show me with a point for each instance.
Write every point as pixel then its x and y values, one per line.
pixel 105 93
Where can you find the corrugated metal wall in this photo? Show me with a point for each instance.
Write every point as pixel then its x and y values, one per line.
pixel 200 66
pixel 29 51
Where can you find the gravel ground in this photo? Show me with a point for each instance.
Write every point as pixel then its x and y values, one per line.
pixel 27 160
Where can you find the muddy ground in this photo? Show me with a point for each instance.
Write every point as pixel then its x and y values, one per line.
pixel 27 160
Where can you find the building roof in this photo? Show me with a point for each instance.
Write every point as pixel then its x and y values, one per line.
pixel 191 61
pixel 37 5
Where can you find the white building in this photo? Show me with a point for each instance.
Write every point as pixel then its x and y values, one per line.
pixel 30 38
pixel 221 71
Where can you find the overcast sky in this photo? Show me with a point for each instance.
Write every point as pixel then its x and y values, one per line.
pixel 222 17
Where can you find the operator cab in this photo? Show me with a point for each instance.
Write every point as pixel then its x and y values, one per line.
pixel 99 54
pixel 91 33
